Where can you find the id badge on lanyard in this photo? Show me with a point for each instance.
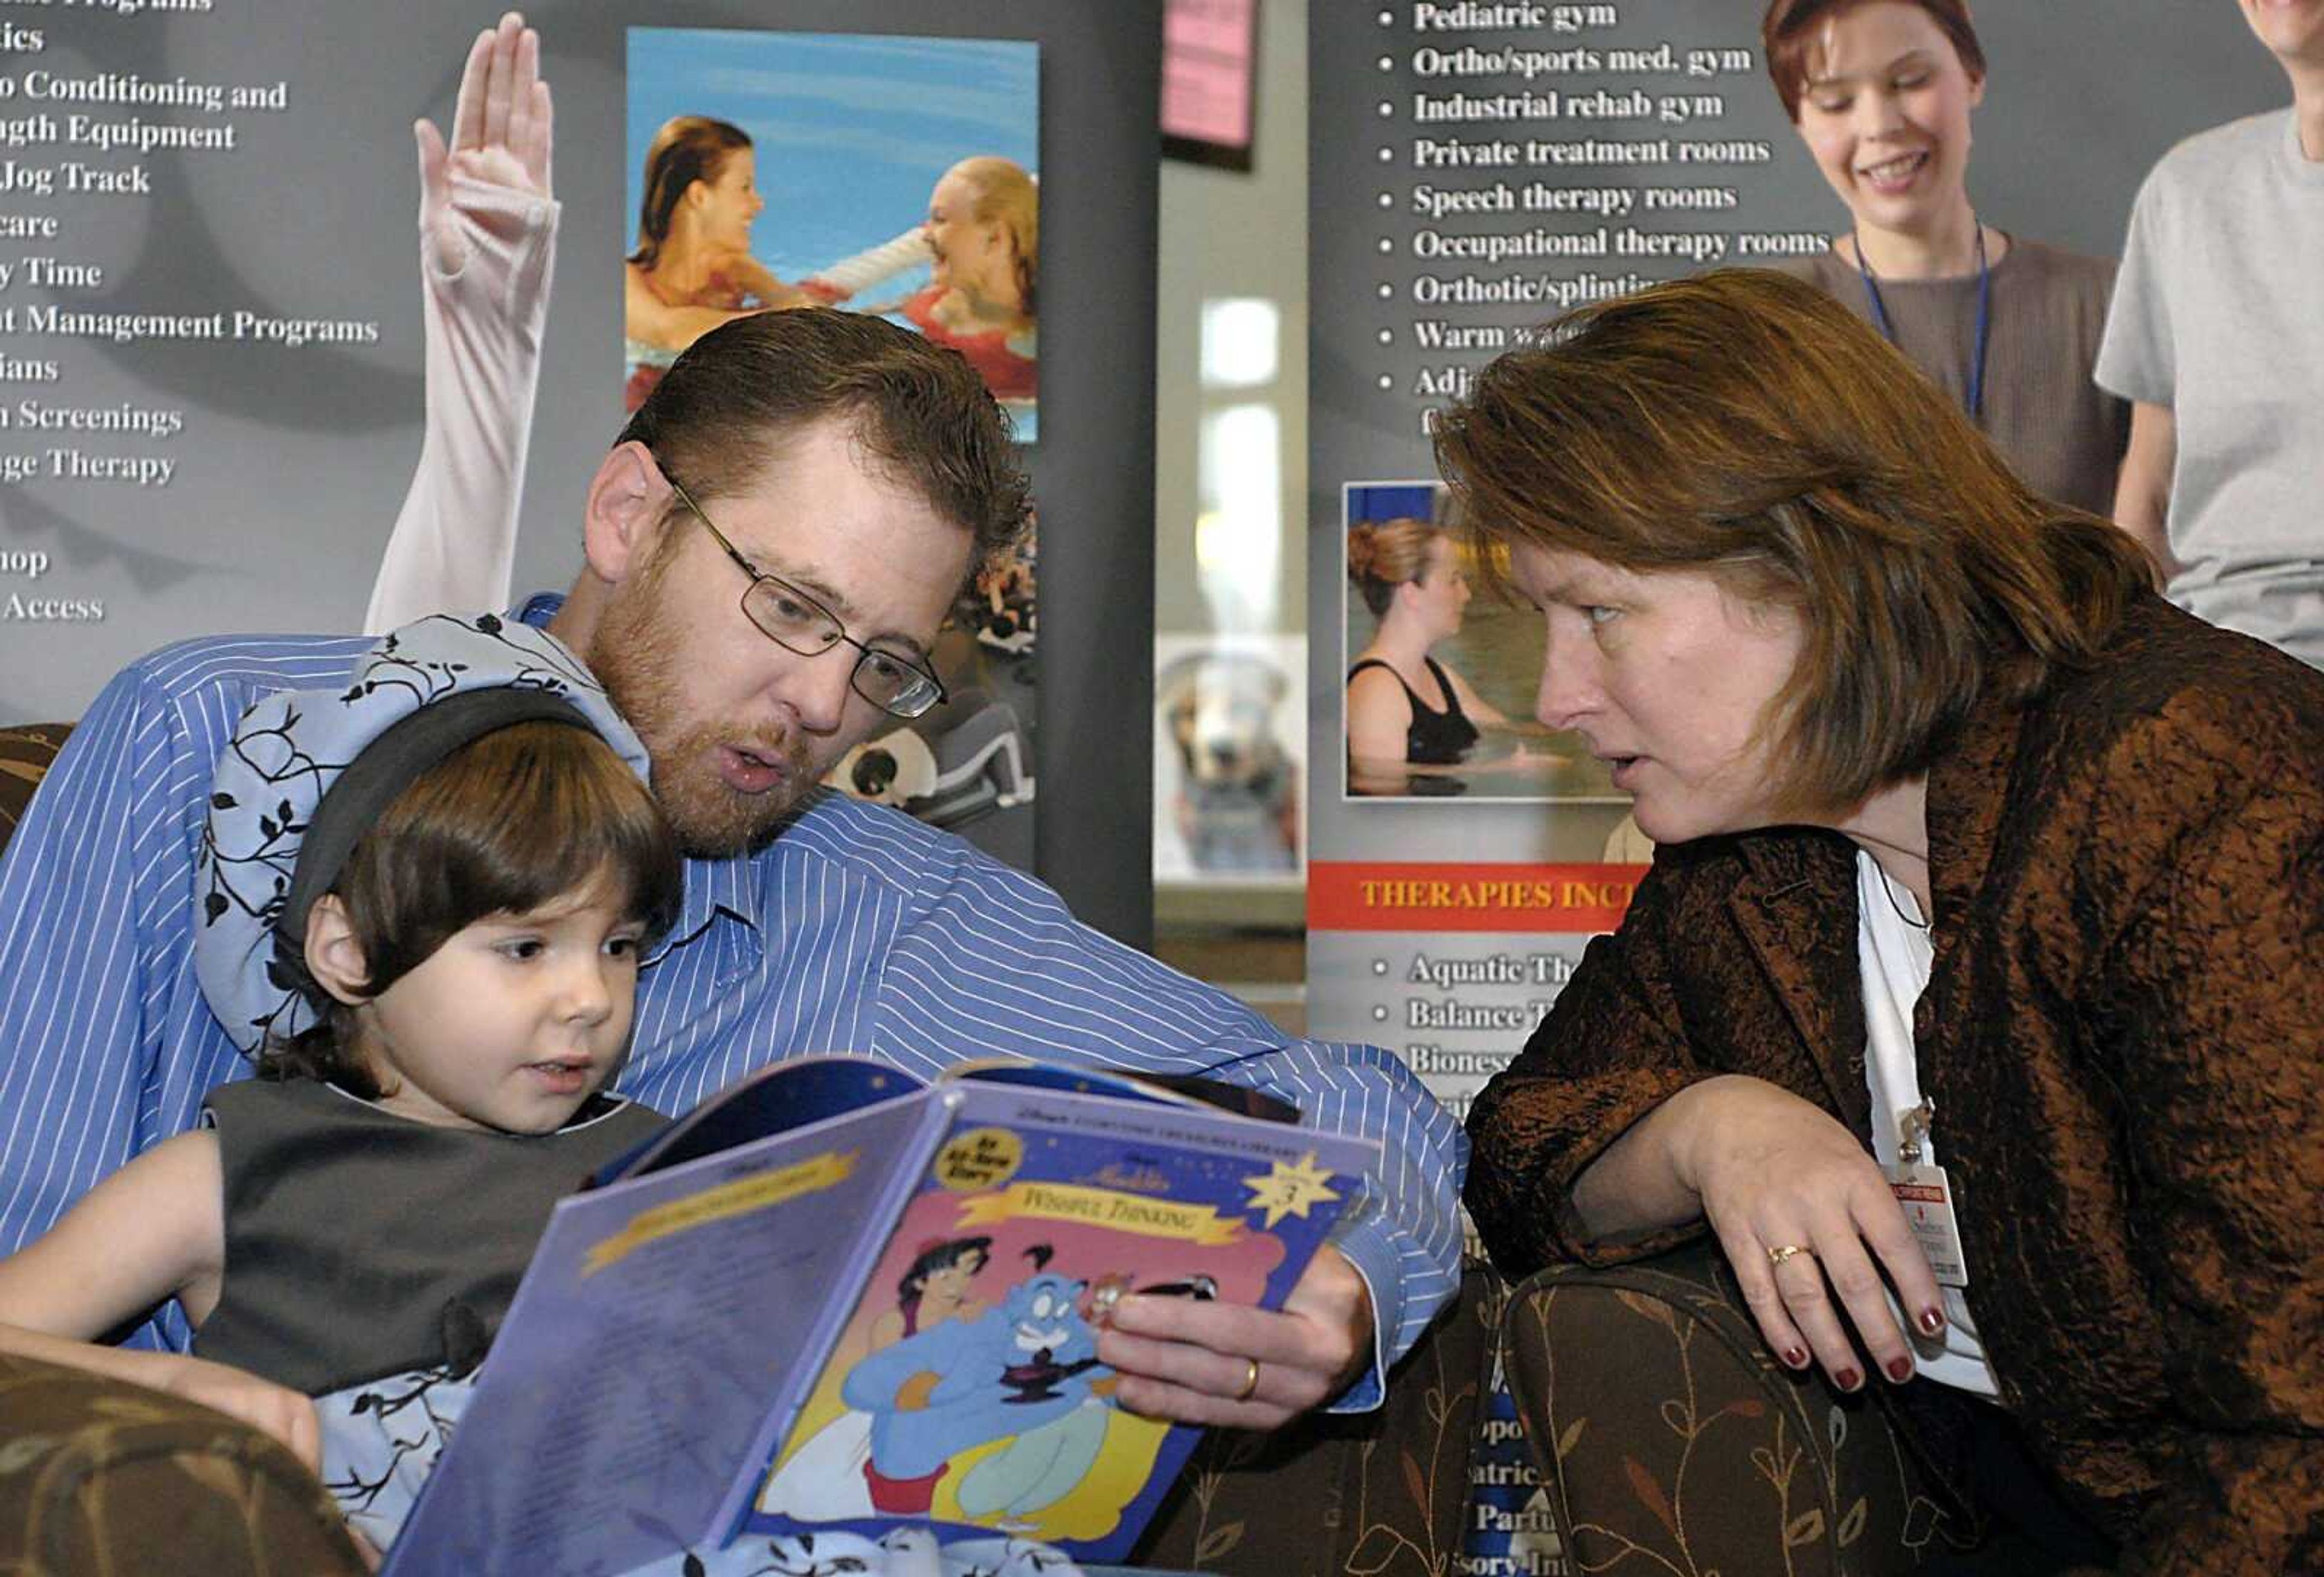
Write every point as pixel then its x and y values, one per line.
pixel 1925 1194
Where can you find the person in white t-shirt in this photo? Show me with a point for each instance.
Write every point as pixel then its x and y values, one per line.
pixel 2216 335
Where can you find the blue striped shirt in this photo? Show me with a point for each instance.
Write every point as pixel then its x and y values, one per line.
pixel 857 930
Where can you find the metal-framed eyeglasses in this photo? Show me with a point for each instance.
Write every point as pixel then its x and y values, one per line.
pixel 896 682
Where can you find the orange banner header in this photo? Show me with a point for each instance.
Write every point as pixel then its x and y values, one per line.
pixel 1406 896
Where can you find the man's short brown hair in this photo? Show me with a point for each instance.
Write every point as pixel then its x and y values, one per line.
pixel 1745 425
pixel 1787 33
pixel 724 410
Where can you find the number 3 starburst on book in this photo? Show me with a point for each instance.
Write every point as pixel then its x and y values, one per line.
pixel 1289 1189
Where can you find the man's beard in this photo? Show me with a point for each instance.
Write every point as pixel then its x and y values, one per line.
pixel 634 656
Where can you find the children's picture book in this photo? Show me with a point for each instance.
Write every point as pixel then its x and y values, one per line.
pixel 839 1296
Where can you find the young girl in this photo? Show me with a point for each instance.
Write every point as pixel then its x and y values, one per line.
pixel 983 231
pixel 432 953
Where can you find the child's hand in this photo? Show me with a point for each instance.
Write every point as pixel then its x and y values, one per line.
pixel 279 1411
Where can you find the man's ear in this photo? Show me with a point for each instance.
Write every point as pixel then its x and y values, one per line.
pixel 334 957
pixel 624 513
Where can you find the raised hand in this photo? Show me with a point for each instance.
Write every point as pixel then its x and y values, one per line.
pixel 502 129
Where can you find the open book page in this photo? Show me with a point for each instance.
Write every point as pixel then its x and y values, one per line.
pixel 964 1390
pixel 885 1292
pixel 649 1347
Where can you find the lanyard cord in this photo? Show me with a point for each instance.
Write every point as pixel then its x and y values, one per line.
pixel 1888 888
pixel 1976 402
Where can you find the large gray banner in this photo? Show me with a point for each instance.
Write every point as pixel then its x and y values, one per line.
pixel 210 346
pixel 1477 167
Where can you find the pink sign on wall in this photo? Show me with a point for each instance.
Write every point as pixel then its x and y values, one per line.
pixel 1208 52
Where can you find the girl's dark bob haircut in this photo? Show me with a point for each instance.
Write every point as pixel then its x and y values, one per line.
pixel 508 823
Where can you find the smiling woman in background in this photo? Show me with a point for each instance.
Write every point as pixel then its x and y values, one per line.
pixel 693 270
pixel 1881 93
pixel 984 245
pixel 1977 859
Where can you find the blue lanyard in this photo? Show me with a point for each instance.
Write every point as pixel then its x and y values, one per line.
pixel 1976 402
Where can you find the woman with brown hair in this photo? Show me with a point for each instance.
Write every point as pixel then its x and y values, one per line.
pixel 1881 93
pixel 693 270
pixel 1404 708
pixel 1985 875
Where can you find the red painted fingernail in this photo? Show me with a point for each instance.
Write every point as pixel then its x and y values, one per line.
pixel 1900 1369
pixel 1932 1320
pixel 1847 1380
pixel 1796 1358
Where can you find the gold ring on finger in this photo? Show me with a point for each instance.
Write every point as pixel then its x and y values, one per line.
pixel 1782 1251
pixel 1250 1380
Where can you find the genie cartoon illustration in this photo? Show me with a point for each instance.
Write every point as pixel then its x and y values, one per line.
pixel 1026 1372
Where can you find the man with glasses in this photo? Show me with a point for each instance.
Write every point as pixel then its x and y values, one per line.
pixel 897 681
pixel 768 549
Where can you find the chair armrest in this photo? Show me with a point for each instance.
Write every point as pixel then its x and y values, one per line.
pixel 25 752
pixel 1662 1425
pixel 1379 1494
pixel 98 1475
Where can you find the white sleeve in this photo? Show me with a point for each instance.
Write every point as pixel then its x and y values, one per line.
pixel 852 276
pixel 2137 356
pixel 453 545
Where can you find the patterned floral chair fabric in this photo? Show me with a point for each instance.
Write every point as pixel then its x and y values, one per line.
pixel 1696 1451
pixel 25 754
pixel 1379 1494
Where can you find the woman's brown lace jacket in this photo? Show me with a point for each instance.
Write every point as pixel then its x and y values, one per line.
pixel 2124 1038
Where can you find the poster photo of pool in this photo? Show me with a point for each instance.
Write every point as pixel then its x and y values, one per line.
pixel 892 175
pixel 1439 676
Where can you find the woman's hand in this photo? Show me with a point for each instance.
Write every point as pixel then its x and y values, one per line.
pixel 1774 1172
pixel 276 1410
pixel 503 131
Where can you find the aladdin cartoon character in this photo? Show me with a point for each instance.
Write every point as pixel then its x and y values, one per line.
pixel 823 1480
